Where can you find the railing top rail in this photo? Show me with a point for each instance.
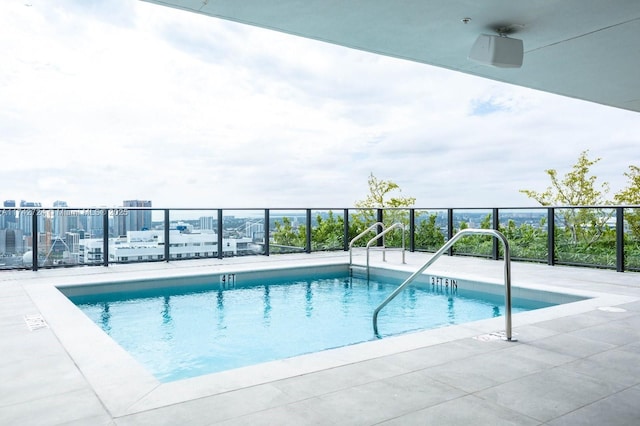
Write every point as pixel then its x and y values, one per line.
pixel 17 208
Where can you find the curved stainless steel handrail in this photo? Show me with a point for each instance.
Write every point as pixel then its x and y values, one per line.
pixel 436 255
pixel 381 235
pixel 362 234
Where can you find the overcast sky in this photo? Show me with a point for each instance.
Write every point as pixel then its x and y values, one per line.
pixel 102 101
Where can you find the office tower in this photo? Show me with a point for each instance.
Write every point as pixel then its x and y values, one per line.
pixel 137 220
pixel 207 222
pixel 8 217
pixel 11 242
pixel 25 217
pixel 60 218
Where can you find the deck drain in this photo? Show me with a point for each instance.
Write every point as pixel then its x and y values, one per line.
pixel 611 309
pixel 498 335
pixel 35 322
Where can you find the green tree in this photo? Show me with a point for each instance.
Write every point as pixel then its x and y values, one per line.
pixel 329 232
pixel 526 241
pixel 631 196
pixel 382 194
pixel 578 188
pixel 428 235
pixel 286 235
pixel 475 244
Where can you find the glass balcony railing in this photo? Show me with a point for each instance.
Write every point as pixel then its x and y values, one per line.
pixel 596 236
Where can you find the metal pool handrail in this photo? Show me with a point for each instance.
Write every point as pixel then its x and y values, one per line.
pixel 444 248
pixel 384 248
pixel 362 234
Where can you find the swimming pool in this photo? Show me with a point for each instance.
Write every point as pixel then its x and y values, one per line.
pixel 218 323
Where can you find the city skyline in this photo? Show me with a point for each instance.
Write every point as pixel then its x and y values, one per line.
pixel 130 100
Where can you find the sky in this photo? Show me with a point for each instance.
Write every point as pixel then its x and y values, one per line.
pixel 104 101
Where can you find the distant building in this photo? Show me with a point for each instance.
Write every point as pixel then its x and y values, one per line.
pixel 72 240
pixel 137 220
pixel 8 217
pixel 208 222
pixel 11 242
pixel 140 246
pixel 25 217
pixel 254 230
pixel 60 218
pixel 93 225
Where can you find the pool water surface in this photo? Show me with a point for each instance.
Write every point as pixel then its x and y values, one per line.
pixel 178 333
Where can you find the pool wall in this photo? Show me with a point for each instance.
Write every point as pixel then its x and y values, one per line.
pixel 241 278
pixel 204 281
pixel 490 287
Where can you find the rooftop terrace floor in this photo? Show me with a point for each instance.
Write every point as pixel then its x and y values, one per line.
pixel 572 364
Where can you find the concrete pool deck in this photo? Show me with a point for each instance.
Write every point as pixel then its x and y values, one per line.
pixel 573 364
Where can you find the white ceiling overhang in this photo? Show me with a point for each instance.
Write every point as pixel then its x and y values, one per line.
pixel 584 49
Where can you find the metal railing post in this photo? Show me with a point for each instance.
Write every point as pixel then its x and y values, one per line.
pixel 34 240
pixel 551 236
pixel 105 238
pixel 346 230
pixel 266 232
pixel 167 242
pixel 379 218
pixel 620 239
pixel 220 230
pixel 412 230
pixel 450 229
pixel 307 247
pixel 495 253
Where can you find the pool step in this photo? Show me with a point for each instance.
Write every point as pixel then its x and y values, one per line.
pixel 358 271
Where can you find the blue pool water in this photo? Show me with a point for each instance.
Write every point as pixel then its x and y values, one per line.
pixel 179 333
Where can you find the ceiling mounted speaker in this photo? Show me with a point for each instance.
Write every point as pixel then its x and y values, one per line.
pixel 497 51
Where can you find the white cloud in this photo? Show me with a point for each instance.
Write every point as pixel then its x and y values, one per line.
pixel 144 101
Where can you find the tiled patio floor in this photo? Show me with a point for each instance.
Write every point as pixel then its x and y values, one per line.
pixel 574 364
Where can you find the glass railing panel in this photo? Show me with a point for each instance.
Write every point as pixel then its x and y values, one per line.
pixel 430 229
pixel 89 225
pixel 287 231
pixel 327 230
pixel 359 220
pixel 16 238
pixel 71 236
pixel 43 236
pixel 473 245
pixel 243 232
pixel 192 234
pixel 394 238
pixel 526 231
pixel 59 236
pixel 585 236
pixel 632 239
pixel 135 235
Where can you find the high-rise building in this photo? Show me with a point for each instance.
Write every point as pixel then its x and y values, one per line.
pixel 25 217
pixel 93 225
pixel 11 241
pixel 137 220
pixel 8 217
pixel 60 218
pixel 72 239
pixel 207 222
pixel 254 230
